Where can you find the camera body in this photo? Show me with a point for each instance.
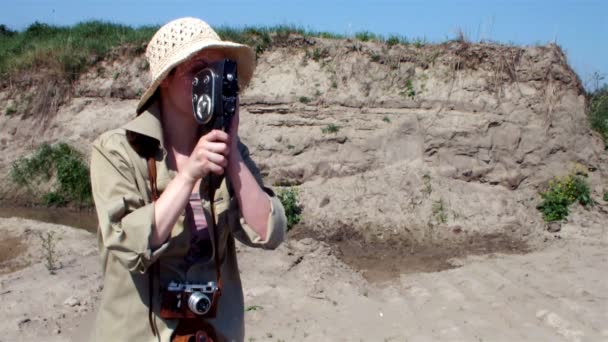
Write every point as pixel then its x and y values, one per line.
pixel 183 300
pixel 215 92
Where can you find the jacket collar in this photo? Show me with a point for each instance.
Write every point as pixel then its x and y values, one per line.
pixel 148 123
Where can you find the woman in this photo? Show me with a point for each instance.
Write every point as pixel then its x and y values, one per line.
pixel 146 243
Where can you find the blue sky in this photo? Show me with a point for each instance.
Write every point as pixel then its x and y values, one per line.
pixel 579 26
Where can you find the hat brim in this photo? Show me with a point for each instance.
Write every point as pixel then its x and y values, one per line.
pixel 243 55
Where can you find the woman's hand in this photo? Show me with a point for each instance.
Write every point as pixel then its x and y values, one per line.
pixel 210 155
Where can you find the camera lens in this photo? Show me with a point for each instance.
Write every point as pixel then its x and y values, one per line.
pixel 199 303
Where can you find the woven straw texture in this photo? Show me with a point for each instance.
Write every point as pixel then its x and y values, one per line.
pixel 179 40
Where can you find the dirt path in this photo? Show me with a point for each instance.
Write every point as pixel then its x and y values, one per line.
pixel 558 294
pixel 304 292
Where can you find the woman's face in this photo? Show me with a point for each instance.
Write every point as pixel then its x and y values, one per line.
pixel 177 87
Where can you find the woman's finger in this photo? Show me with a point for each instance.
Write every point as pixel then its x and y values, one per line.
pixel 217 147
pixel 217 159
pixel 216 169
pixel 216 136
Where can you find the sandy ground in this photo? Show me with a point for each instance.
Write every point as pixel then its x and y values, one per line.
pixel 304 292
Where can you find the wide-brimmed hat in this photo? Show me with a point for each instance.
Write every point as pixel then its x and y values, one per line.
pixel 179 40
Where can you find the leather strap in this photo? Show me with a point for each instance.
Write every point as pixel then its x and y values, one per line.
pixel 154 269
pixel 152 176
pixel 211 189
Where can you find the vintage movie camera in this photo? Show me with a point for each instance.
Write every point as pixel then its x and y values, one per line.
pixel 215 91
pixel 181 300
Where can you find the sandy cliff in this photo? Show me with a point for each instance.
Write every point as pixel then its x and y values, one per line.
pixel 471 131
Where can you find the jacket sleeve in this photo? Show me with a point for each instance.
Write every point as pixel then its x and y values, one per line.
pixel 125 219
pixel 277 222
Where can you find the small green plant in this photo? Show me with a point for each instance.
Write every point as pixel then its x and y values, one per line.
pixel 366 36
pixel 419 42
pixel 598 112
pixel 409 89
pixel 317 93
pixel 293 211
pixel 440 212
pixel 605 196
pixel 428 187
pixel 49 245
pixel 10 110
pixel 386 119
pixel 392 41
pixel 317 54
pixel 334 84
pixel 331 128
pixel 563 192
pixel 53 199
pixel 68 167
pixel 290 147
pixel 375 57
pixel 253 308
pixel 115 75
pixel 304 99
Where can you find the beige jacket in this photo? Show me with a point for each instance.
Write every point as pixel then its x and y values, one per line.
pixel 121 191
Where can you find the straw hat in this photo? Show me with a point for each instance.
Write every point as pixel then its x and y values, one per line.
pixel 179 40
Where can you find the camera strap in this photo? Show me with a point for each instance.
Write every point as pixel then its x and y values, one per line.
pixel 215 232
pixel 154 269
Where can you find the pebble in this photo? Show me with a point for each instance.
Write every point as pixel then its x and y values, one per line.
pixel 71 301
pixel 23 321
pixel 554 227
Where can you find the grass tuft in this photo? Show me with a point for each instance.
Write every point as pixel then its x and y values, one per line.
pixel 561 194
pixel 409 90
pixel 331 128
pixel 63 162
pixel 393 40
pixel 293 211
pixel 367 36
pixel 598 112
pixel 64 52
pixel 440 211
pixel 261 38
pixel 304 99
pixel 10 110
